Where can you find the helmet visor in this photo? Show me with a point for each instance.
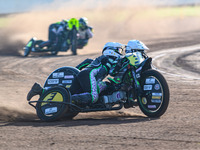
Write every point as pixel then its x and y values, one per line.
pixel 128 50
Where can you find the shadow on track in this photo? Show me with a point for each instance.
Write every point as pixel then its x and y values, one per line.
pixel 89 121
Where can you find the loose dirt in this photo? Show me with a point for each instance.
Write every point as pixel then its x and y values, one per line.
pixel 127 129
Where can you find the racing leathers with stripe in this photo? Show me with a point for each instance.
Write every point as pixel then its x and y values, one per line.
pixel 88 83
pixel 84 64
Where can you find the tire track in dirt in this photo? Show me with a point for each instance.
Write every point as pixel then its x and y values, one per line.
pixel 172 130
pixel 173 62
pixel 189 61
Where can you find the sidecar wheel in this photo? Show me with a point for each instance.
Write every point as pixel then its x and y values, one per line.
pixel 27 51
pixel 56 106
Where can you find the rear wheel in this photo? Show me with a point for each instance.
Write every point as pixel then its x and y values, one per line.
pixel 155 97
pixel 52 104
pixel 54 52
pixel 69 115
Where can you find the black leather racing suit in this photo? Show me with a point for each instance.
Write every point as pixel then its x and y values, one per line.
pixel 55 31
pixel 88 84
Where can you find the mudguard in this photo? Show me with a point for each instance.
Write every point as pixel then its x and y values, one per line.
pixel 145 65
pixel 63 76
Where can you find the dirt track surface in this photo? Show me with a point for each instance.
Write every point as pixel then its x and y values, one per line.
pixel 178 128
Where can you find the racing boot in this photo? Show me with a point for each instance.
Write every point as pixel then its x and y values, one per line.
pixel 35 90
pixel 82 100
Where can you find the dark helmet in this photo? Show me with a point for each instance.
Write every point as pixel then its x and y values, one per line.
pixel 83 21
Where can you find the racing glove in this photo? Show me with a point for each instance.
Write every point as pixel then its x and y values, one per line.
pixel 115 70
pixel 108 62
pixel 118 65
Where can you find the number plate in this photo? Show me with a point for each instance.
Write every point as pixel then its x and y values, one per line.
pixel 51 110
pixel 147 87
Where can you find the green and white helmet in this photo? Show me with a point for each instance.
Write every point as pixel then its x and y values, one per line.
pixel 112 49
pixel 135 45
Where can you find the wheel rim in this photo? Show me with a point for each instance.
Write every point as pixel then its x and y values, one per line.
pixel 51 108
pixel 152 97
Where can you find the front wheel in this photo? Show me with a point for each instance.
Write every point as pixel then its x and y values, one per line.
pixel 52 104
pixel 154 98
pixel 74 41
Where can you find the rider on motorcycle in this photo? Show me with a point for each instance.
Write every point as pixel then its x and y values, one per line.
pixel 88 84
pixel 59 29
pixel 84 33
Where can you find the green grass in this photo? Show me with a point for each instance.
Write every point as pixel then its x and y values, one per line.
pixel 144 13
pixel 3 21
pixel 156 13
pixel 186 11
